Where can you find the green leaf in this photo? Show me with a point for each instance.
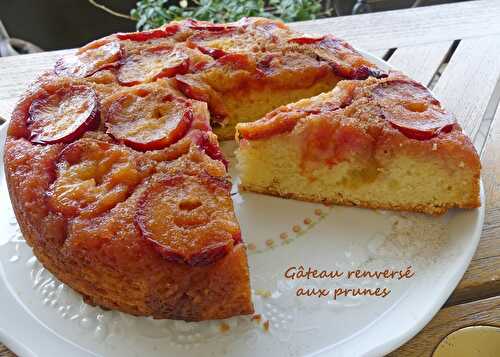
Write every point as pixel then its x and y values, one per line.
pixel 154 13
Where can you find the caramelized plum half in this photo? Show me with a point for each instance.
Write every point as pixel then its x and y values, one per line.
pixel 269 27
pixel 401 89
pixel 193 88
pixel 93 176
pixel 215 53
pixel 207 142
pixel 344 60
pixel 201 134
pixel 210 43
pixel 142 36
pixel 210 26
pixel 151 64
pixel 63 114
pixel 188 219
pixel 146 120
pixel 90 59
pixel 201 116
pixel 238 61
pixel 412 109
pixel 306 39
pixel 279 121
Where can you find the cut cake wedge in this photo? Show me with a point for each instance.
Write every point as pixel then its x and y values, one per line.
pixel 380 143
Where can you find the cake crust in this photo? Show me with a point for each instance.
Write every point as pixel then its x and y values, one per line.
pixel 102 255
pixel 76 198
pixel 370 204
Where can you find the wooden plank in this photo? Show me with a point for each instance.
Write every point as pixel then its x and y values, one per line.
pixel 420 62
pixel 482 279
pixel 469 80
pixel 482 312
pixel 17 72
pixel 475 77
pixel 411 27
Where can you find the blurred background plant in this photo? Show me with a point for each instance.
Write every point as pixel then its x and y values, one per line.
pixel 153 13
pixel 57 24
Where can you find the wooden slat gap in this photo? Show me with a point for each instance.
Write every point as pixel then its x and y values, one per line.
pixel 411 27
pixel 442 67
pixel 492 227
pixel 467 314
pixel 466 85
pixel 477 293
pixel 421 62
pixel 488 119
pixel 482 278
pixel 480 312
pixel 451 51
pixel 480 294
pixel 389 53
pixel 489 257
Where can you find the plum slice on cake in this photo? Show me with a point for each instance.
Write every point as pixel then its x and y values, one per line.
pixel 378 143
pixel 124 196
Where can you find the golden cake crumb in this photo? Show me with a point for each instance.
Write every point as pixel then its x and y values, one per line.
pixel 263 293
pixel 256 317
pixel 378 161
pixel 224 327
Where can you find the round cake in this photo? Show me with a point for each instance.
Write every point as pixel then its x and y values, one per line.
pixel 114 168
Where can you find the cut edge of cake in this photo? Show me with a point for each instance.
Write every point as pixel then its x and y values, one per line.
pixel 340 148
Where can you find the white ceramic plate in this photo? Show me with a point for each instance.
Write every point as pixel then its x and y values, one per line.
pixel 39 316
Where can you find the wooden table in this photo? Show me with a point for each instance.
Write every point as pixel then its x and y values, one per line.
pixel 455 49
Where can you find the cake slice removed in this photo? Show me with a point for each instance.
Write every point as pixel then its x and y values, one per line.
pixel 378 143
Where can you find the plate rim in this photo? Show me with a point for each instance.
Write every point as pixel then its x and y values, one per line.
pixel 396 342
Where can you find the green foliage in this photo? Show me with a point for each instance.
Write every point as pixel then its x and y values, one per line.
pixel 296 10
pixel 153 13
